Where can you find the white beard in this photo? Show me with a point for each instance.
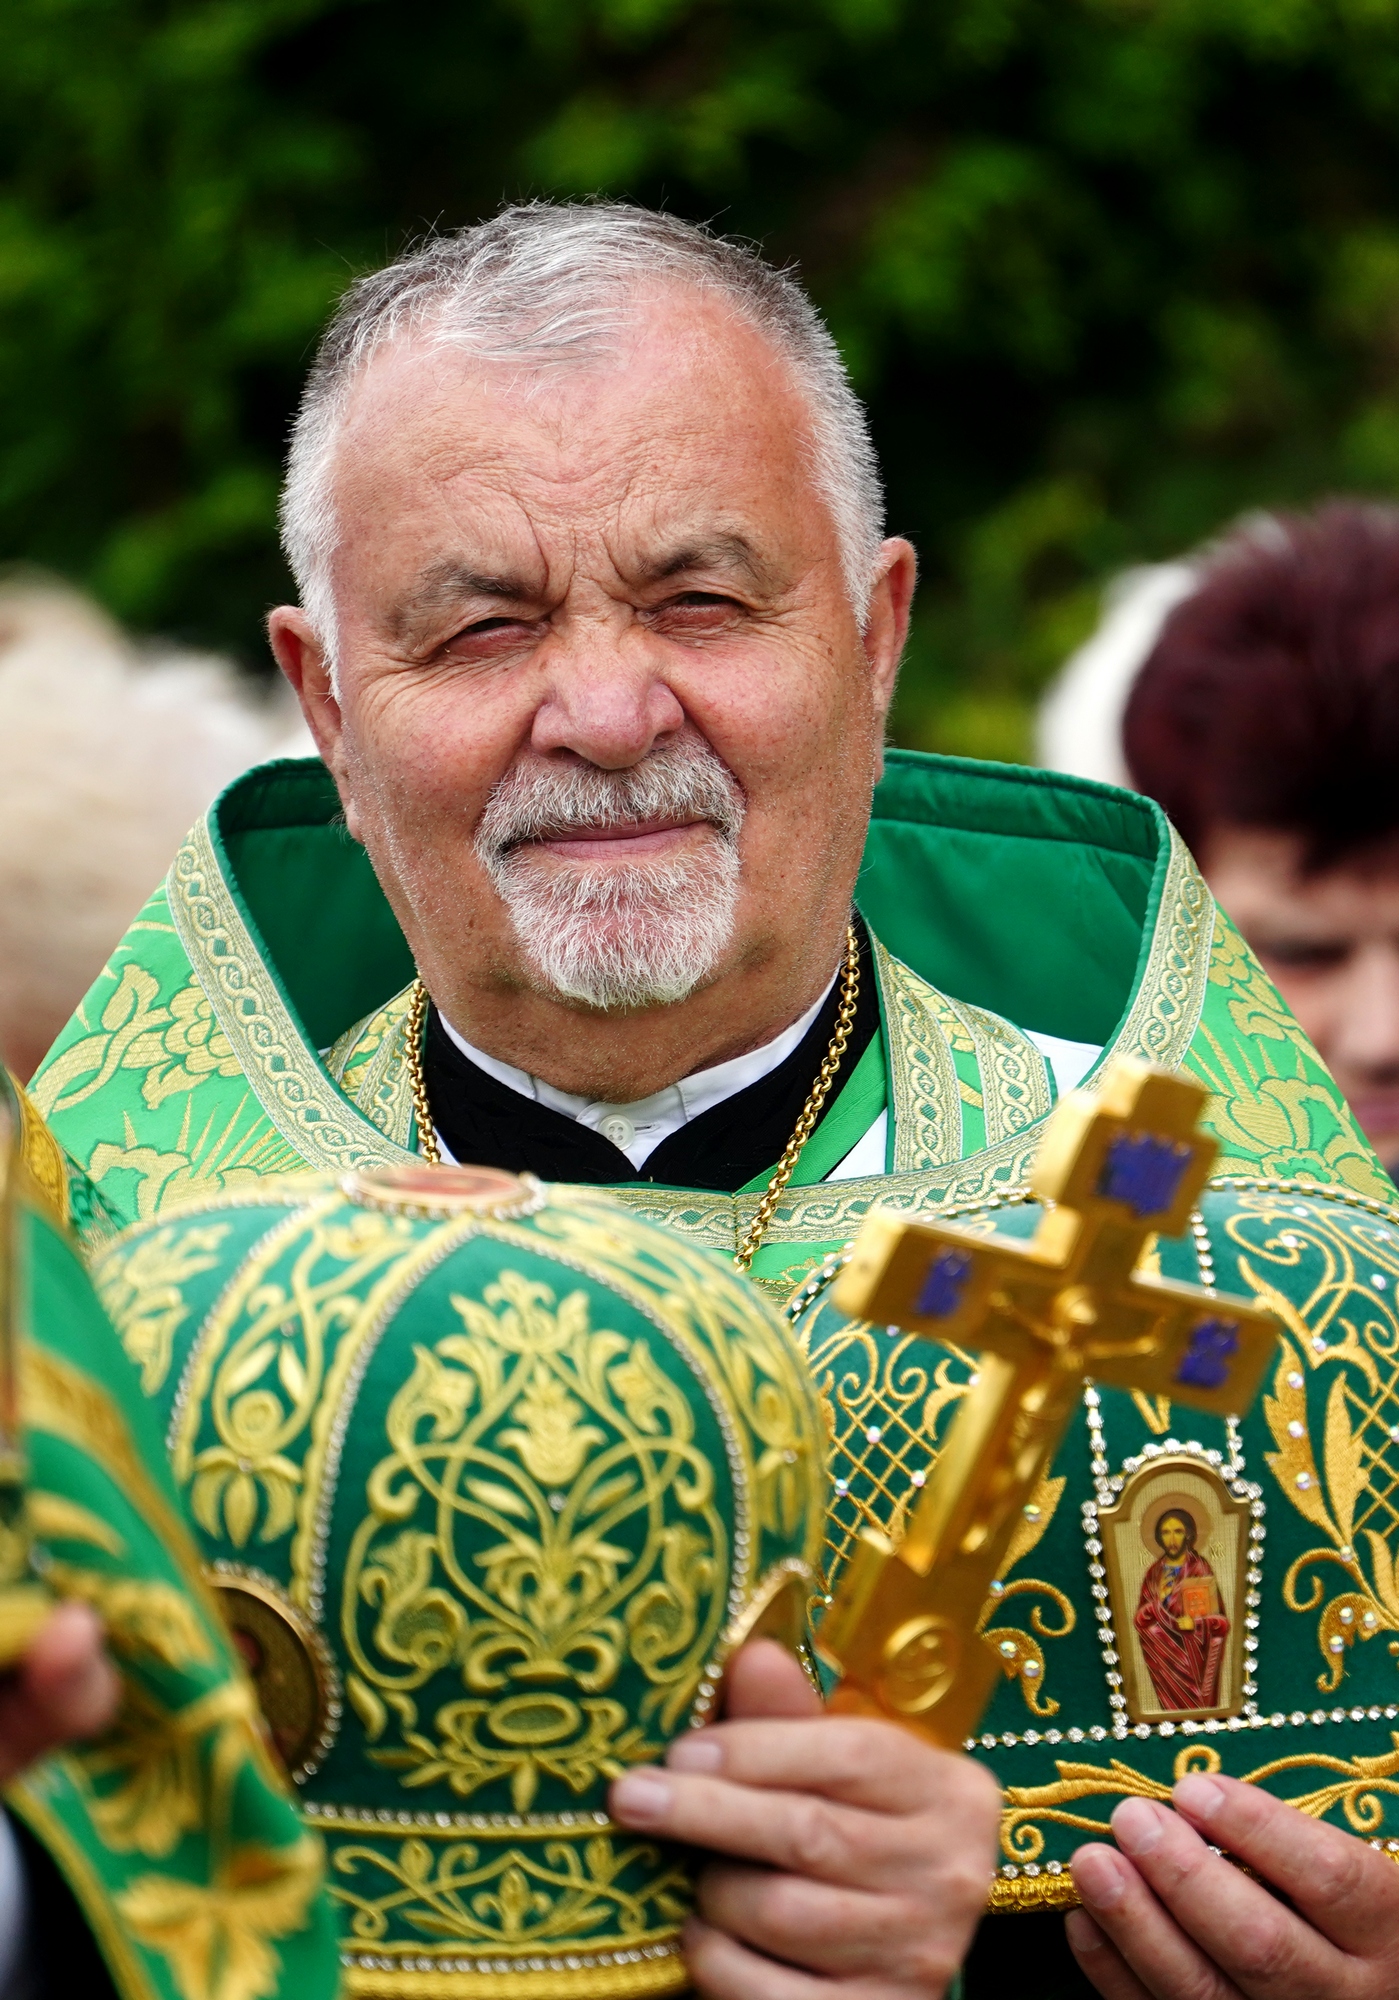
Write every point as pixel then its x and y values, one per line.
pixel 616 935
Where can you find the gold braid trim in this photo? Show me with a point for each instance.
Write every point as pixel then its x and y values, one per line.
pixel 532 1980
pixel 1035 1893
pixel 1031 1894
pixel 42 1157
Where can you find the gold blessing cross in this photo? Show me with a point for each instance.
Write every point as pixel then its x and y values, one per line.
pixel 1119 1166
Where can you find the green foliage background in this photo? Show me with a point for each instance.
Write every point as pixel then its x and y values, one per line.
pixel 1107 271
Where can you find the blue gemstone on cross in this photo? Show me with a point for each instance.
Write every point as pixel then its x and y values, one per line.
pixel 1144 1171
pixel 1205 1363
pixel 945 1283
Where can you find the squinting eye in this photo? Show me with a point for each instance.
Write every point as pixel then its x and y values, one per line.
pixel 698 600
pixel 485 630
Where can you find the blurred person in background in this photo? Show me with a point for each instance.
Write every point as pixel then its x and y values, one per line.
pixel 1254 693
pixel 107 755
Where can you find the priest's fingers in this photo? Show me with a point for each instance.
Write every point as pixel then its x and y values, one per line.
pixel 764 1679
pixel 844 1934
pixel 1337 1882
pixel 856 1761
pixel 1265 1948
pixel 945 1852
pixel 1192 1927
pixel 721 1968
pixel 805 1836
pixel 63 1689
pixel 1099 1960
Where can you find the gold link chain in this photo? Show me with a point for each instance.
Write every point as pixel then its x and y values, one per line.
pixel 786 1166
pixel 422 1110
pixel 820 1090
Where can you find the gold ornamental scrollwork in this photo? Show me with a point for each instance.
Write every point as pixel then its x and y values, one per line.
pixel 546 1519
pixel 478 1893
pixel 270 1357
pixel 1358 1786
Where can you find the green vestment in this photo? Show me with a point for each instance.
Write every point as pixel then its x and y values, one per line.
pixel 997 897
pixel 173 1829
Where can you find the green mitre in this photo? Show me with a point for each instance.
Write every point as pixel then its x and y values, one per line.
pixel 173 1830
pixel 492 1478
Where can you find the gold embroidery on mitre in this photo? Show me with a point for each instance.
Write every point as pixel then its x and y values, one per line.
pixel 500 1425
pixel 143 1296
pixel 488 1893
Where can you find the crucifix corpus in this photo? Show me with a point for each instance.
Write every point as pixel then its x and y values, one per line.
pixel 1118 1168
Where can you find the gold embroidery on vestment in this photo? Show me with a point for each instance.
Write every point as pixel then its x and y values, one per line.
pixel 1352 1784
pixel 285 1074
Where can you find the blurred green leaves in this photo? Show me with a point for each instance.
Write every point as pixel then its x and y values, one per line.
pixel 1107 271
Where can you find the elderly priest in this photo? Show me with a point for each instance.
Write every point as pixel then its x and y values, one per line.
pixel 598 634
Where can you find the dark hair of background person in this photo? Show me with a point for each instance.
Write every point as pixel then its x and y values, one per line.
pixel 1271 698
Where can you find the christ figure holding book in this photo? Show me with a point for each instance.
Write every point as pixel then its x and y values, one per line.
pixel 1179 1621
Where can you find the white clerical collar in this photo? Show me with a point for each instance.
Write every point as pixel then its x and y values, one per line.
pixel 637 1129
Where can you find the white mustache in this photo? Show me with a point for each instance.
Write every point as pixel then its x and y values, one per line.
pixel 641 935
pixel 687 781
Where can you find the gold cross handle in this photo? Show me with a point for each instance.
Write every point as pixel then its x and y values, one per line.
pixel 1117 1168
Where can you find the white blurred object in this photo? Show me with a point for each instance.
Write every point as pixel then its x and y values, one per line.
pixel 1079 725
pixel 108 755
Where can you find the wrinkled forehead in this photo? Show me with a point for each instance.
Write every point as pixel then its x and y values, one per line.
pixel 688 408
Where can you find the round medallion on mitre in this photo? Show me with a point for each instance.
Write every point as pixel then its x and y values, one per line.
pixel 288 1662
pixel 422 1188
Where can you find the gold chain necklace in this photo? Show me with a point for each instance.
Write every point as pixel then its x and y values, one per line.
pixel 811 1110
pixel 786 1166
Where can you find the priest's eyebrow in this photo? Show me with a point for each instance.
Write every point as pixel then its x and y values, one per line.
pixel 446 584
pixel 712 553
pixel 442 588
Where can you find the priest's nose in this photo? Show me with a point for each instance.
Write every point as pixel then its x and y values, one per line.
pixel 609 710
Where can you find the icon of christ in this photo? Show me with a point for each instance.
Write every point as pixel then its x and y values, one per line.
pixel 1178 1618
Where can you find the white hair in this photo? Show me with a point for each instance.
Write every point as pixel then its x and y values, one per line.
pixel 1079 725
pixel 643 935
pixel 545 284
pixel 107 755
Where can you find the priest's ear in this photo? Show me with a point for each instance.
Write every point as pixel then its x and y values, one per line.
pixel 303 657
pixel 885 628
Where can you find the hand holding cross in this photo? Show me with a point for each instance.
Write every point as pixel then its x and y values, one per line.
pixel 1119 1166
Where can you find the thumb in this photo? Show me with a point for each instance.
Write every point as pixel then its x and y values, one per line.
pixel 764 1679
pixel 63 1689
